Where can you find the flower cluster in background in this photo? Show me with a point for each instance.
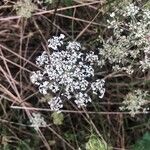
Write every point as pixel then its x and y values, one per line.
pixel 135 102
pixel 128 47
pixel 68 73
pixel 37 121
pixel 25 8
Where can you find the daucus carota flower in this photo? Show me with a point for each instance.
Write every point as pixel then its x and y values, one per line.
pixel 55 103
pixel 37 121
pixel 55 42
pixel 135 102
pixel 128 45
pixel 25 8
pixel 67 73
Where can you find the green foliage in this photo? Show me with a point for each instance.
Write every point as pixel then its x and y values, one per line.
pixel 70 136
pixel 8 142
pixel 24 145
pixel 143 143
pixel 147 5
pixel 21 145
pixel 95 143
pixel 67 2
pixel 58 118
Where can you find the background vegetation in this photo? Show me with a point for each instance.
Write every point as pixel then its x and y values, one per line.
pixel 25 27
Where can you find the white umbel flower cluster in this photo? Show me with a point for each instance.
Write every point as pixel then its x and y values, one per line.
pixel 82 99
pixel 67 73
pixel 97 87
pixel 55 103
pixel 128 47
pixel 130 10
pixel 135 102
pixel 37 121
pixel 55 42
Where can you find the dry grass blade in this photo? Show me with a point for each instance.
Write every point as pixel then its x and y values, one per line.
pixel 79 111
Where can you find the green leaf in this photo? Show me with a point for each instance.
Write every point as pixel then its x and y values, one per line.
pixel 24 145
pixel 143 143
pixel 68 2
pixel 95 143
